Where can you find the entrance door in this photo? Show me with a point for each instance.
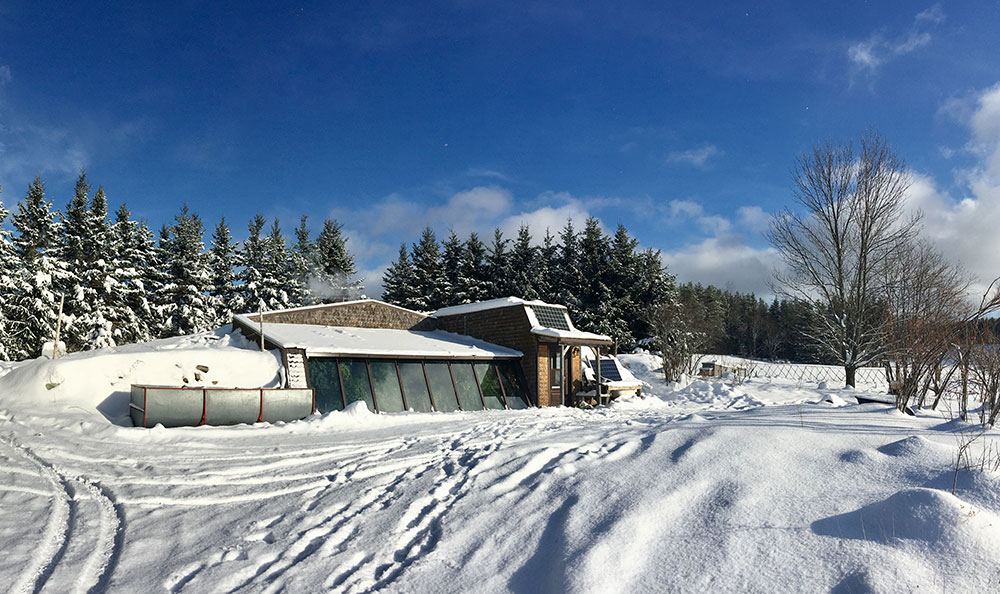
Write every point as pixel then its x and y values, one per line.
pixel 555 375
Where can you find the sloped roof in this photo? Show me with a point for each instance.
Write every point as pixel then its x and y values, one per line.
pixel 319 340
pixel 537 328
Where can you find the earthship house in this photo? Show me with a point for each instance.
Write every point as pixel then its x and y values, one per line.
pixel 506 353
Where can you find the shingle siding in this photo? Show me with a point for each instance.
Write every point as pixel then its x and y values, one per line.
pixel 366 314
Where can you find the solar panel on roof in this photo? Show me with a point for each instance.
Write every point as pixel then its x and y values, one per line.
pixel 551 317
pixel 609 371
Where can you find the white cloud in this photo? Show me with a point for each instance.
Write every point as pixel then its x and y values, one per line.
pixel 965 228
pixel 680 209
pixel 725 261
pixel 753 219
pixel 546 217
pixel 697 157
pixel 27 150
pixel 869 54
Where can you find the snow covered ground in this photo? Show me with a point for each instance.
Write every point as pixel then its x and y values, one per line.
pixel 769 486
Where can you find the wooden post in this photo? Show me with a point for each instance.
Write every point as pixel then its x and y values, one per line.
pixel 260 320
pixel 597 349
pixel 55 345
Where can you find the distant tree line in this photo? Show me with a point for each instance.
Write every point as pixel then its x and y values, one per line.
pixel 606 282
pixel 121 285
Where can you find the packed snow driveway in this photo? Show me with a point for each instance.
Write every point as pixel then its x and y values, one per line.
pixel 765 487
pixel 785 498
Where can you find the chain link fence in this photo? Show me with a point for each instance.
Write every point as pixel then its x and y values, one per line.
pixel 869 377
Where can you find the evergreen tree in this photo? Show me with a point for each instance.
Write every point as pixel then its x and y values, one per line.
pixel 252 259
pixel 74 253
pixel 8 272
pixel 100 312
pixel 222 263
pixel 281 285
pixel 546 262
pixel 623 278
pixel 36 300
pixel 524 266
pixel 567 279
pixel 335 272
pixel 188 309
pixel 427 272
pixel 137 271
pixel 474 280
pixel 399 281
pixel 498 269
pixel 302 258
pixel 454 284
pixel 594 266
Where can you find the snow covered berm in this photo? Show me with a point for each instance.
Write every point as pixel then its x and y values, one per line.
pixel 768 486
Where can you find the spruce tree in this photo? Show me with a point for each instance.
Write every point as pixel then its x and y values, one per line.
pixel 222 263
pixel 74 252
pixel 252 259
pixel 498 268
pixel 302 258
pixel 100 312
pixel 188 309
pixel 334 276
pixel 279 286
pixel 136 270
pixel 8 273
pixel 474 280
pixel 399 281
pixel 594 267
pixel 35 309
pixel 524 266
pixel 454 284
pixel 427 272
pixel 567 277
pixel 545 262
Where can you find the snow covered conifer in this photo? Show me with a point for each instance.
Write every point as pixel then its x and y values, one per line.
pixel 545 261
pixel 594 268
pixel 222 262
pixel 335 271
pixel 524 266
pixel 475 276
pixel 399 281
pixel 427 294
pixel 279 285
pixel 36 298
pixel 567 278
pixel 188 309
pixel 8 272
pixel 454 285
pixel 498 268
pixel 135 268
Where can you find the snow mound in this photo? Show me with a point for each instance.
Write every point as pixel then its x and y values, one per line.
pixel 928 515
pixel 100 380
pixel 919 447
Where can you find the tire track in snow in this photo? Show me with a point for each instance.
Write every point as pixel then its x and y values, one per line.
pixel 82 540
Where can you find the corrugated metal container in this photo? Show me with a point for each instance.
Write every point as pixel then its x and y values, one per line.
pixel 173 406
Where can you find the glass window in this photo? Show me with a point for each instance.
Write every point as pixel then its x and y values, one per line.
pixel 387 393
pixel 468 388
pixel 412 374
pixel 324 377
pixel 489 383
pixel 517 397
pixel 354 373
pixel 441 386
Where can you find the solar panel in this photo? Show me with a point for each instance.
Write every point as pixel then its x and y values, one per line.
pixel 609 371
pixel 551 317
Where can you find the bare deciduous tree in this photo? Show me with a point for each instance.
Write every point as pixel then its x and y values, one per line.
pixel 836 251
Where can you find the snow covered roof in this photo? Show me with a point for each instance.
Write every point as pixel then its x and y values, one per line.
pixel 252 315
pixel 538 328
pixel 486 305
pixel 338 340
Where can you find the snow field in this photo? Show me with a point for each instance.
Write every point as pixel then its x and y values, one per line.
pixel 758 487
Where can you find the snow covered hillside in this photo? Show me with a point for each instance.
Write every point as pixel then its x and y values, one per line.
pixel 768 486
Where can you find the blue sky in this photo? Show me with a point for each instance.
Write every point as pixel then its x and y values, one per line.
pixel 680 121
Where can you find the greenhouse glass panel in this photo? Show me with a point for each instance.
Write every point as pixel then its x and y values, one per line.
pixel 441 387
pixel 517 397
pixel 417 397
pixel 387 393
pixel 325 378
pixel 354 373
pixel 468 389
pixel 489 383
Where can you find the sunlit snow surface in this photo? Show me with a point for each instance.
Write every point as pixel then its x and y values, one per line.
pixel 763 487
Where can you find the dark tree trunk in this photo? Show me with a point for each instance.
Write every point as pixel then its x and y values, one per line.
pixel 849 373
